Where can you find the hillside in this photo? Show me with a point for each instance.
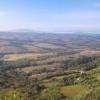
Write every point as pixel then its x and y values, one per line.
pixel 43 66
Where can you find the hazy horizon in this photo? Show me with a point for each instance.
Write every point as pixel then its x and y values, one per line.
pixel 50 15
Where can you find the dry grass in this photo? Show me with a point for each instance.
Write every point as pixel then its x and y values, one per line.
pixel 38 75
pixel 32 68
pixel 48 45
pixel 89 52
pixel 58 77
pixel 72 90
pixel 27 69
pixel 95 72
pixel 31 48
pixel 15 57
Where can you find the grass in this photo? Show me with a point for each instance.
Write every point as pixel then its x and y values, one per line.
pixel 32 68
pixel 50 82
pixel 72 90
pixel 58 77
pixel 90 52
pixel 47 45
pixel 31 48
pixel 15 57
pixel 10 94
pixel 28 56
pixel 96 73
pixel 38 75
pixel 28 69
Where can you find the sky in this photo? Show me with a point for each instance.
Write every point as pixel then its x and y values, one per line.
pixel 50 15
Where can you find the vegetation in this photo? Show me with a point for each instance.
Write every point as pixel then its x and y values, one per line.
pixel 54 70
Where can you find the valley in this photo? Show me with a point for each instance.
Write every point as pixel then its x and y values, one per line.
pixel 43 66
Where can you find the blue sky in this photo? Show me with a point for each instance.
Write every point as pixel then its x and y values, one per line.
pixel 50 15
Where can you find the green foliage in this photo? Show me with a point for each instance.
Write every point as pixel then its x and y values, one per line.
pixel 17 85
pixel 52 93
